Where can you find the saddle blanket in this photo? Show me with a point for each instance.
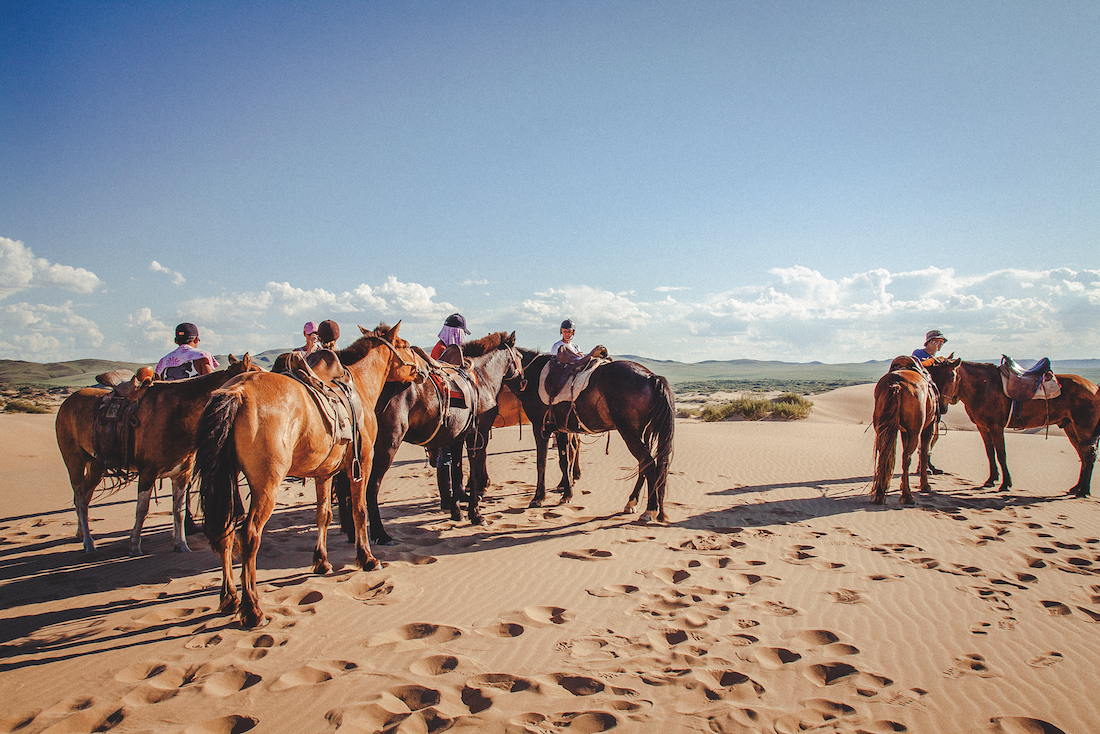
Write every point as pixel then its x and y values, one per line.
pixel 573 387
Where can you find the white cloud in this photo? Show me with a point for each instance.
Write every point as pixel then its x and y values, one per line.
pixel 20 270
pixel 150 330
pixel 177 277
pixel 671 288
pixel 40 332
pixel 392 297
pixel 591 308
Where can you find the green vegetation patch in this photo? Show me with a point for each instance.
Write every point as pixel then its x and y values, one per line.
pixel 20 405
pixel 755 407
pixel 800 386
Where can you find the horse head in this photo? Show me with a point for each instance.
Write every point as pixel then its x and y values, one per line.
pixel 945 373
pixel 403 365
pixel 244 364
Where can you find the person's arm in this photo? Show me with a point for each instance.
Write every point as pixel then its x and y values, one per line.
pixel 203 365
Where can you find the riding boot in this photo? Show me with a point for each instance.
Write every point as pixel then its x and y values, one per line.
pixel 457 494
pixel 443 480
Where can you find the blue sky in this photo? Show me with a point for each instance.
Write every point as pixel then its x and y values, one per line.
pixel 689 181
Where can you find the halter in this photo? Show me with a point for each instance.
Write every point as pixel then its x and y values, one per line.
pixel 419 370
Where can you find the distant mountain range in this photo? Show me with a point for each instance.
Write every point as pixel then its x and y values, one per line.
pixel 744 374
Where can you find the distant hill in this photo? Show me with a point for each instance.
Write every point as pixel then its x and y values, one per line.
pixel 709 375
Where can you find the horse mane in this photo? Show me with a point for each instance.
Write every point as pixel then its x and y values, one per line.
pixel 484 345
pixel 360 347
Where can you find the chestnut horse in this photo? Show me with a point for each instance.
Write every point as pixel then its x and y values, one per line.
pixel 907 402
pixel 1076 410
pixel 414 414
pixel 623 396
pixel 164 445
pixel 269 426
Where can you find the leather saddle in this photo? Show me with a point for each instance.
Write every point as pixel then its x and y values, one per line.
pixel 114 421
pixel 1035 383
pixel 564 381
pixel 333 389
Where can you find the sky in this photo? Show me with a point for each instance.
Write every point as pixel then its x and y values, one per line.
pixel 794 181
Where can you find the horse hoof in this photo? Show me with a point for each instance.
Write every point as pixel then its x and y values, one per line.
pixel 229 605
pixel 253 621
pixel 878 501
pixel 322 569
pixel 456 514
pixel 387 541
pixel 630 510
pixel 647 516
pixel 477 520
pixel 181 548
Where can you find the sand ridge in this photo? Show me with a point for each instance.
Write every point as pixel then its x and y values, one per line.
pixel 777 599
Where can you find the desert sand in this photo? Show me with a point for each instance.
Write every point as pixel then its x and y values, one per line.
pixel 777 599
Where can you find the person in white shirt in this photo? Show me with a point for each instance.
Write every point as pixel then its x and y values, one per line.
pixel 186 360
pixel 564 349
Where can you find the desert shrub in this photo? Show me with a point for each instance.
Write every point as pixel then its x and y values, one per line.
pixel 24 406
pixel 791 406
pixel 687 412
pixel 754 407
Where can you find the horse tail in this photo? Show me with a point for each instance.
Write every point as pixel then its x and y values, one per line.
pixel 659 431
pixel 887 426
pixel 217 467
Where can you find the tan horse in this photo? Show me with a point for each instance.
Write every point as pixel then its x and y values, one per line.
pixel 1076 410
pixel 164 445
pixel 908 403
pixel 268 426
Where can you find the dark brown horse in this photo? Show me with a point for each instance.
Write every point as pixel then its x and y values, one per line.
pixel 415 414
pixel 1076 410
pixel 622 396
pixel 268 426
pixel 908 403
pixel 164 445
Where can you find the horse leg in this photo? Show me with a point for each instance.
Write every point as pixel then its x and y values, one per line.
pixel 228 602
pixel 363 557
pixel 180 484
pixel 479 473
pixel 540 463
pixel 383 457
pixel 575 462
pixel 145 489
pixel 924 462
pixel 323 487
pixel 564 448
pixel 1002 457
pixel 84 475
pixel 446 481
pixel 908 445
pixel 647 471
pixel 263 504
pixel 991 457
pixel 1086 451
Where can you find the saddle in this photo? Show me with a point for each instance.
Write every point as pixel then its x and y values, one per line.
pixel 1036 383
pixel 564 382
pixel 114 421
pixel 332 388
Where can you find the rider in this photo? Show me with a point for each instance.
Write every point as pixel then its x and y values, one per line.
pixel 186 360
pixel 933 342
pixel 310 333
pixel 454 331
pixel 328 331
pixel 448 464
pixel 564 349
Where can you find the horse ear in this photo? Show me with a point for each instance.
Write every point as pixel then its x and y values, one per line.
pixel 393 333
pixel 233 360
pixel 950 356
pixel 362 331
pixel 247 359
pixel 512 339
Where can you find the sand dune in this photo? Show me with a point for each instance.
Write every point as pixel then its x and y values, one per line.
pixel 778 599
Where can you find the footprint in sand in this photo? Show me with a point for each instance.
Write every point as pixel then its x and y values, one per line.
pixel 1019 725
pixel 232 724
pixel 845 596
pixel 227 682
pixel 586 722
pixel 1056 608
pixel 545 616
pixel 973 664
pixel 435 665
pixel 837 673
pixel 1045 660
pixel 609 591
pixel 588 554
pixel 314 673
pixel 367 588
pixel 1090 615
pixel 502 629
pixel 773 658
pixel 818 713
pixel 416 632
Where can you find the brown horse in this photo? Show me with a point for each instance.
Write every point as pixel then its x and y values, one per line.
pixel 1076 410
pixel 164 445
pixel 907 402
pixel 269 426
pixel 622 396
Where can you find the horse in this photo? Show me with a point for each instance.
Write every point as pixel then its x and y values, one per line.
pixel 268 426
pixel 510 413
pixel 621 395
pixel 414 414
pixel 1076 410
pixel 909 403
pixel 166 416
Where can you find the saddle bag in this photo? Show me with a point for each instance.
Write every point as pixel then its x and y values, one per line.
pixel 113 432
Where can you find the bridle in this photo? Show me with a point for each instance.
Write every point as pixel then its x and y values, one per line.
pixel 422 372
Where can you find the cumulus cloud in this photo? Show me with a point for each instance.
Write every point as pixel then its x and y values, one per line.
pixel 40 332
pixel 177 277
pixel 592 308
pixel 149 330
pixel 392 297
pixel 20 270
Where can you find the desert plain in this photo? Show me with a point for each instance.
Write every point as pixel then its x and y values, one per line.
pixel 776 599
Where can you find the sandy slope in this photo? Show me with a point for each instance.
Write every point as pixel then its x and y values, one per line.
pixel 777 600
